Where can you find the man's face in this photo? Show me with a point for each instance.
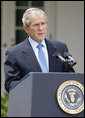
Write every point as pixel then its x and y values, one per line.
pixel 37 28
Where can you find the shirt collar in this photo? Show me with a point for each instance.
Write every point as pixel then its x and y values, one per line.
pixel 35 44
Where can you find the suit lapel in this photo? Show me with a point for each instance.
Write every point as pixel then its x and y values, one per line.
pixel 30 57
pixel 51 51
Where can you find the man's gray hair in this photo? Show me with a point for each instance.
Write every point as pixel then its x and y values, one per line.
pixel 31 11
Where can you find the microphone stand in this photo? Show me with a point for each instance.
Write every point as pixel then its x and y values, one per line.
pixel 69 65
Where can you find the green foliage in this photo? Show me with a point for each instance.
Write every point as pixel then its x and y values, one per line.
pixel 4 105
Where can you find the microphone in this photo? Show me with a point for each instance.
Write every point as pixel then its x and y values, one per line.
pixel 67 60
pixel 57 55
pixel 67 55
pixel 71 59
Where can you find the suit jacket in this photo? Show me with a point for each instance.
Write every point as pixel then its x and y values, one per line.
pixel 20 60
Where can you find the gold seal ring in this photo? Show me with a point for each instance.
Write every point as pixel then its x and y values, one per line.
pixel 70 97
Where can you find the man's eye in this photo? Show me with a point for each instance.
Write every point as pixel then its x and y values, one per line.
pixel 36 24
pixel 43 23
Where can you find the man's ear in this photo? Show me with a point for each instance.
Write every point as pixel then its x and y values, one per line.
pixel 25 28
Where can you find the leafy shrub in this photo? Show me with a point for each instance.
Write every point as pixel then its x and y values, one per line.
pixel 4 105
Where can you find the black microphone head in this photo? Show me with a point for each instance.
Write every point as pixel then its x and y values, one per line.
pixel 66 54
pixel 56 54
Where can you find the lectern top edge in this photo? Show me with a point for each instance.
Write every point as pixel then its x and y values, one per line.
pixel 27 75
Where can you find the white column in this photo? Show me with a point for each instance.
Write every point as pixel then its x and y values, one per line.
pixel 7 32
pixel 50 7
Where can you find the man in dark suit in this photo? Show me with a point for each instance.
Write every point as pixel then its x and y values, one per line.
pixel 23 58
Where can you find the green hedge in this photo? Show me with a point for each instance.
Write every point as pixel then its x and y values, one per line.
pixel 4 105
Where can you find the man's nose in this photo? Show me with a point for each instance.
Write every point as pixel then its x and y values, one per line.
pixel 40 27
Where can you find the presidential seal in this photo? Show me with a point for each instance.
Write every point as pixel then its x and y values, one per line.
pixel 70 97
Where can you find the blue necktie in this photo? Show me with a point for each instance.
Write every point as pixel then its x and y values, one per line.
pixel 42 59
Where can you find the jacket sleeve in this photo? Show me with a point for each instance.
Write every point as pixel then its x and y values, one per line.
pixel 12 72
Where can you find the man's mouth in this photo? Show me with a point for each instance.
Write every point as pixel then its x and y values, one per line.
pixel 40 33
